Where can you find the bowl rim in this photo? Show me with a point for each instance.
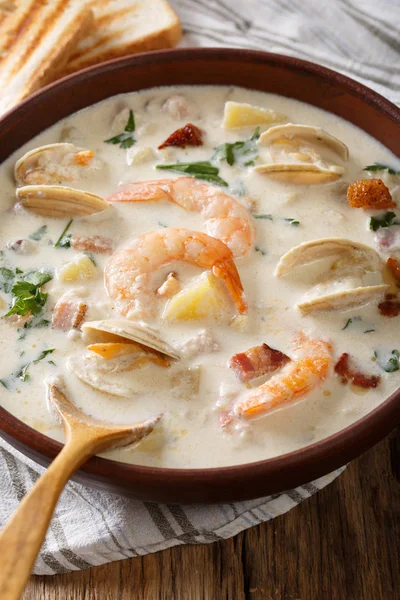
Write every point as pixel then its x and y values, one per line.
pixel 384 417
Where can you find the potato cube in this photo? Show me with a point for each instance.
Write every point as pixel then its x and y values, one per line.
pixel 81 268
pixel 206 297
pixel 240 114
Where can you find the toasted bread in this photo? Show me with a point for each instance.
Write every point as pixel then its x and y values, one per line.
pixel 36 40
pixel 124 27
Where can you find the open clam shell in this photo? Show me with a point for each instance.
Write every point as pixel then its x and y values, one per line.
pixel 307 133
pixel 309 252
pixel 343 300
pixel 136 331
pixel 301 173
pixel 59 202
pixel 52 164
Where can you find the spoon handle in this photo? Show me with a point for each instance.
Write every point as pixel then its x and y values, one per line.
pixel 22 538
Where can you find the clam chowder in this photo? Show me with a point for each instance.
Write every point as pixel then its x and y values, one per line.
pixel 225 258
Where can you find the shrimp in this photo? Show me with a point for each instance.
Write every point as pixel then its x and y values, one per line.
pixel 296 380
pixel 226 219
pixel 127 273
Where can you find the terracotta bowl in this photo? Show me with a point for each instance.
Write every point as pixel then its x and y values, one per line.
pixel 255 70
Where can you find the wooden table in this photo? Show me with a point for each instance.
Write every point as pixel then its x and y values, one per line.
pixel 341 544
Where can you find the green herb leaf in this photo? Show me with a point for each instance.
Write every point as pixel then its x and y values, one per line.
pixel 23 373
pixel 64 241
pixel 200 170
pixel 388 362
pixel 6 279
pixel 4 383
pixel 381 167
pixel 369 330
pixel 260 250
pixel 293 222
pixel 28 296
pixel 263 216
pixel 38 234
pixel 235 151
pixel 125 139
pixel 350 321
pixel 91 257
pixel 387 219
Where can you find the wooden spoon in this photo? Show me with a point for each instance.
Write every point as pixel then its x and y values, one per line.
pixel 22 537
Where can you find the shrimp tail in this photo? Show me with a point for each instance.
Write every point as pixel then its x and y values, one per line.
pixel 227 271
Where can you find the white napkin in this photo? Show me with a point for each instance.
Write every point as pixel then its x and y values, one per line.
pixel 359 38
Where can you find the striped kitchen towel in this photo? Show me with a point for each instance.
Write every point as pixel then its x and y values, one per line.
pixel 357 37
pixel 90 528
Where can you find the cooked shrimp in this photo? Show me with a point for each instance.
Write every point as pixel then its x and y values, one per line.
pixel 127 273
pixel 226 219
pixel 298 378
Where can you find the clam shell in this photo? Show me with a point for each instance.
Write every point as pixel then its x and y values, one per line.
pixel 137 331
pixel 343 300
pixel 59 202
pixel 301 173
pixel 323 248
pixel 53 163
pixel 308 134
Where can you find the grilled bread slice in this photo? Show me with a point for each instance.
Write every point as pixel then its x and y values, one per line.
pixel 125 27
pixel 36 40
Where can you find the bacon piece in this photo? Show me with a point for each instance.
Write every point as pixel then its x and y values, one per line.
pixel 348 373
pixel 189 135
pixel 68 314
pixel 390 307
pixel 94 243
pixel 19 320
pixel 369 193
pixel 257 361
pixel 394 267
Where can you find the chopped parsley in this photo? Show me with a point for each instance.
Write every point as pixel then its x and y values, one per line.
pixel 260 250
pixel 23 373
pixel 293 222
pixel 244 151
pixel 200 170
pixel 6 279
pixel 64 241
pixel 263 216
pixel 389 362
pixel 350 321
pixel 38 234
pixel 369 330
pixel 125 139
pixel 381 167
pixel 386 219
pixel 27 294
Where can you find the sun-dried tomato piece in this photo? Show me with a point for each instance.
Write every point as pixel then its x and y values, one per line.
pixel 257 361
pixel 369 193
pixel 347 373
pixel 394 267
pixel 390 307
pixel 189 135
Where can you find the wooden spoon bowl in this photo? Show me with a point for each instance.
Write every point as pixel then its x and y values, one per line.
pixel 23 536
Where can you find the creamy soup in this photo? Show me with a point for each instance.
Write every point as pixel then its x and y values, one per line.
pixel 258 372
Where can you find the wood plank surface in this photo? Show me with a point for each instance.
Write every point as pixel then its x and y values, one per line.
pixel 341 544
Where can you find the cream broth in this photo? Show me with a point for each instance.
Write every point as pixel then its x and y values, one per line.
pixel 194 392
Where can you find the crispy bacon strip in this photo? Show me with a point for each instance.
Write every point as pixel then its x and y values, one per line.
pixel 189 135
pixel 348 373
pixel 369 193
pixel 390 307
pixel 94 243
pixel 394 267
pixel 68 314
pixel 257 361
